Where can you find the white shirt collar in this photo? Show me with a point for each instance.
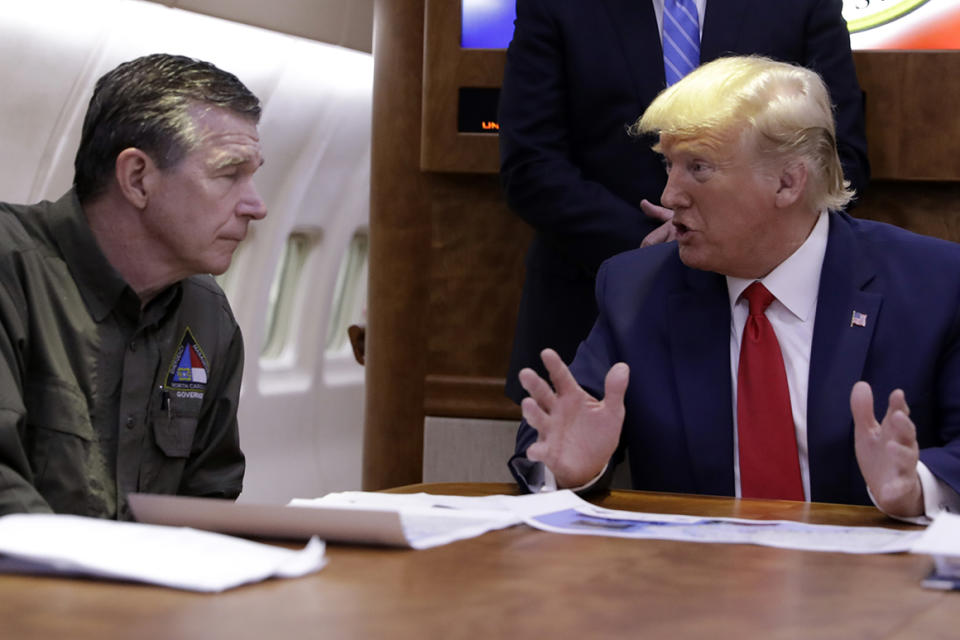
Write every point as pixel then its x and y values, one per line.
pixel 795 282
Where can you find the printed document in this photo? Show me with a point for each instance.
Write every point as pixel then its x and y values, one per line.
pixel 565 512
pixel 175 557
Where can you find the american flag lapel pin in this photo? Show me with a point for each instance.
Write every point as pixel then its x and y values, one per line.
pixel 858 319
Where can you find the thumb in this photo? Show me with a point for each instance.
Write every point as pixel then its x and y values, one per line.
pixel 658 236
pixel 615 384
pixel 861 406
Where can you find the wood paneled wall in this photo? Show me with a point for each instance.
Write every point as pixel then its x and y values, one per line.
pixel 446 255
pixel 446 260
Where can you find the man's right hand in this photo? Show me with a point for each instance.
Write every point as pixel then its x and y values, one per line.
pixel 577 434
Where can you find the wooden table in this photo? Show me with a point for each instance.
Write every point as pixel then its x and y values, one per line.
pixel 521 583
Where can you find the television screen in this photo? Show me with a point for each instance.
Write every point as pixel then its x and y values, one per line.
pixel 873 24
pixel 487 24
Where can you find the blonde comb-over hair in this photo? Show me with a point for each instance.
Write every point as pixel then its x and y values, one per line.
pixel 784 108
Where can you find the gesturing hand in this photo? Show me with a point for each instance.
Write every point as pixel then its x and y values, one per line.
pixel 666 231
pixel 887 452
pixel 577 433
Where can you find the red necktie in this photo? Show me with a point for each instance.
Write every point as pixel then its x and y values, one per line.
pixel 769 464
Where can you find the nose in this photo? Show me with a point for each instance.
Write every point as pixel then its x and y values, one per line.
pixel 251 204
pixel 673 196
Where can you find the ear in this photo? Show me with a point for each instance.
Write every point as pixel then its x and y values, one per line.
pixel 793 183
pixel 135 171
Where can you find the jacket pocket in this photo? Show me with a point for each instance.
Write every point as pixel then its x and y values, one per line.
pixel 61 439
pixel 174 430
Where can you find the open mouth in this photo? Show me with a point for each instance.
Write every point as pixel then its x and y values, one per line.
pixel 681 228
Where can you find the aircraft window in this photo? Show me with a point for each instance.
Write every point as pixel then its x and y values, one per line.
pixel 280 303
pixel 230 279
pixel 350 293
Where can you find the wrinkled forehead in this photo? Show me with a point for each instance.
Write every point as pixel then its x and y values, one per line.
pixel 224 153
pixel 225 138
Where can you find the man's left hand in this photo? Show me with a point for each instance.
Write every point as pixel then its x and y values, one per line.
pixel 666 231
pixel 887 452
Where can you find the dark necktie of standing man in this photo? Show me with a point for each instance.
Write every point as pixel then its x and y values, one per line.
pixel 769 463
pixel 681 39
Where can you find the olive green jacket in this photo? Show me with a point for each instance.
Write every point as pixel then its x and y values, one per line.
pixel 99 398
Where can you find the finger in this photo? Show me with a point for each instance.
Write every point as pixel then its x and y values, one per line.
pixel 861 406
pixel 563 381
pixel 656 211
pixel 661 234
pixel 538 451
pixel 902 430
pixel 615 385
pixel 538 389
pixel 898 402
pixel 535 416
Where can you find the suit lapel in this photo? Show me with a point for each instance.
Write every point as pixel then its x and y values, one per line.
pixel 700 354
pixel 721 27
pixel 635 24
pixel 837 358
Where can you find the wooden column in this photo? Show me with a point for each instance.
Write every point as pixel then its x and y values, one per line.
pixel 399 253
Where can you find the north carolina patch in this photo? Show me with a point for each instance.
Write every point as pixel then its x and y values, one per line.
pixel 189 367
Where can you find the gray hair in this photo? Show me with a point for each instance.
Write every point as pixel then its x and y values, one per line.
pixel 144 103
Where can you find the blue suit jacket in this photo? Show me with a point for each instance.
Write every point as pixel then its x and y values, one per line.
pixel 671 324
pixel 578 72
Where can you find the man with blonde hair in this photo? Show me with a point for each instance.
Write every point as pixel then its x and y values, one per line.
pixel 753 344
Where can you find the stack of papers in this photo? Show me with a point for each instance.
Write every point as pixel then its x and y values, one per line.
pixel 168 556
pixel 423 520
pixel 368 519
pixel 565 512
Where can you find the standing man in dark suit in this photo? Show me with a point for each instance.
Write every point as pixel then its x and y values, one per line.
pixel 578 73
pixel 754 343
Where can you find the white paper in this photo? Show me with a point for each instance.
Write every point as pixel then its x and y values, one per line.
pixel 565 512
pixel 942 537
pixel 376 500
pixel 176 557
pixel 427 520
pixel 942 541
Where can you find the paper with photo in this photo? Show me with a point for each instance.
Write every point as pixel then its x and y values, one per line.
pixel 565 512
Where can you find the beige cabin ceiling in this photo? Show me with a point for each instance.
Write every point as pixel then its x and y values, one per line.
pixel 347 23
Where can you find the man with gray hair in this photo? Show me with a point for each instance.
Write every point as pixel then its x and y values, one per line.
pixel 754 343
pixel 120 359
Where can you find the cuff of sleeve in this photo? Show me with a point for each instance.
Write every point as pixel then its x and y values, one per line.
pixel 535 477
pixel 937 496
pixel 550 482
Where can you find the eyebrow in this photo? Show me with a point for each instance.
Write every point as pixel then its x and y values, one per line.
pixel 231 160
